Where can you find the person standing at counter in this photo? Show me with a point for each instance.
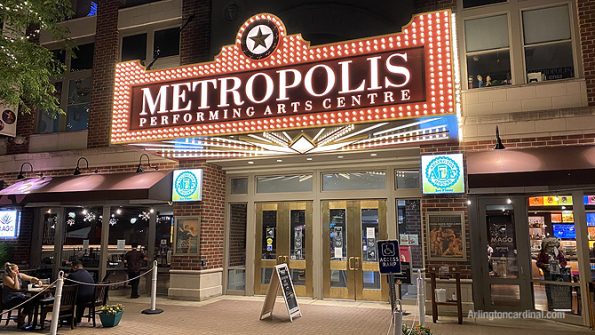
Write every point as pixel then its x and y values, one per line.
pixel 12 294
pixel 134 260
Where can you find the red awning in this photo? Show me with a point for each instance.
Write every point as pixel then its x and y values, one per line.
pixel 93 187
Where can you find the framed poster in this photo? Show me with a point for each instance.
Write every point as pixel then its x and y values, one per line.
pixel 445 233
pixel 186 235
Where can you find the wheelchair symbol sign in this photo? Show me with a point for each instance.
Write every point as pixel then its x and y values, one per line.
pixel 389 258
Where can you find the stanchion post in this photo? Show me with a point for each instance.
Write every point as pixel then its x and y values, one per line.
pixel 153 309
pixel 421 297
pixel 57 302
pixel 398 318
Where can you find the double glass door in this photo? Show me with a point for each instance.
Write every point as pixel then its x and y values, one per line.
pixel 284 235
pixel 351 229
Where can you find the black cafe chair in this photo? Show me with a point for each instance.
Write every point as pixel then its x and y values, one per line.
pixel 67 306
pixel 6 317
pixel 99 299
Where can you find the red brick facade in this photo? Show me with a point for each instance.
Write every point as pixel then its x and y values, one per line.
pixel 212 216
pixel 196 36
pixel 586 21
pixel 104 61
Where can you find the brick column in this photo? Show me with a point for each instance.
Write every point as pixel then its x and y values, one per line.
pixel 25 128
pixel 432 5
pixel 200 276
pixel 586 21
pixel 104 64
pixel 195 39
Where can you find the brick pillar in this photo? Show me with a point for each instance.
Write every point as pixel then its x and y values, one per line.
pixel 195 39
pixel 586 21
pixel 200 276
pixel 25 128
pixel 104 64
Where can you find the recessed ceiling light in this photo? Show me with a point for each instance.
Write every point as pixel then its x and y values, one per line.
pixel 340 157
pixel 374 154
pixel 250 162
pixel 309 158
pixel 279 160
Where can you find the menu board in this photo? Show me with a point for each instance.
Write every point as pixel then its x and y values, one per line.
pixel 281 280
pixel 550 200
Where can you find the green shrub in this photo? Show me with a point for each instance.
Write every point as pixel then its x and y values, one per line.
pixel 416 330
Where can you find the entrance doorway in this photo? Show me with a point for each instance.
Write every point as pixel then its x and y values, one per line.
pixel 350 231
pixel 284 235
pixel 504 272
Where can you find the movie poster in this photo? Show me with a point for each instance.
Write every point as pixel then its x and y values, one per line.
pixel 446 236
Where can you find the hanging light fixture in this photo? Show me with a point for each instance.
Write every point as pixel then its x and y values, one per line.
pixel 21 176
pixel 139 168
pixel 77 170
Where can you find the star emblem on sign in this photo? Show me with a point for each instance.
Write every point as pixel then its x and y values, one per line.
pixel 260 39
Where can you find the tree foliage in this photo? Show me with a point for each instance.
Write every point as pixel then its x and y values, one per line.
pixel 26 68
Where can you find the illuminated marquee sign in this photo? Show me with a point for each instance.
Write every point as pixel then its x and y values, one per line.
pixel 187 185
pixel 269 80
pixel 9 224
pixel 443 174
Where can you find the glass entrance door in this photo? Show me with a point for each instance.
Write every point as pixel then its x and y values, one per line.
pixel 351 229
pixel 284 235
pixel 505 271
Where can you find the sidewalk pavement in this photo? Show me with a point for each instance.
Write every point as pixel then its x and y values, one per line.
pixel 240 315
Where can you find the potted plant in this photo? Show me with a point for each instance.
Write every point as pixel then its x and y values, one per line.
pixel 110 315
pixel 416 330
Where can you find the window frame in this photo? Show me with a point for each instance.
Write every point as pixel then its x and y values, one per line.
pixel 65 80
pixel 150 32
pixel 514 9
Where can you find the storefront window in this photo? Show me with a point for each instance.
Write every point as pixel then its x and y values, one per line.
pixel 239 186
pixel 488 53
pixel 275 184
pixel 236 266
pixel 554 262
pixel 407 179
pixel 82 237
pixel 548 44
pixel 343 181
pixel 409 229
pixel 589 201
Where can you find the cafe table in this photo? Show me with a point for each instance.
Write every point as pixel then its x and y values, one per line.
pixel 40 301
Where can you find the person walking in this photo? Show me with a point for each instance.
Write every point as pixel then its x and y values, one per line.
pixel 134 261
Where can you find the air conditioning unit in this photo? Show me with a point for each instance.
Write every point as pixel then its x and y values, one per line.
pixel 535 77
pixel 8 120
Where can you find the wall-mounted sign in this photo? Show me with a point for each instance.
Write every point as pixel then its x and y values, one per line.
pixel 269 80
pixel 443 174
pixel 187 185
pixel 9 223
pixel 8 120
pixel 550 200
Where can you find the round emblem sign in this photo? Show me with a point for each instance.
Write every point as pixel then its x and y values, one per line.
pixel 443 172
pixel 9 116
pixel 186 184
pixel 260 39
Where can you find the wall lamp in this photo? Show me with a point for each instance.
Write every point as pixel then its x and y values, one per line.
pixel 77 170
pixel 499 145
pixel 140 169
pixel 21 176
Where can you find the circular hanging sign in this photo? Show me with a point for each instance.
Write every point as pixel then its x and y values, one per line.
pixel 260 39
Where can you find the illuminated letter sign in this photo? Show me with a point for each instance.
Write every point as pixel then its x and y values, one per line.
pixel 443 174
pixel 269 80
pixel 187 185
pixel 9 224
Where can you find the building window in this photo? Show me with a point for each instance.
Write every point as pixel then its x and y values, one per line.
pixel 407 179
pixel 73 92
pixel 276 184
pixel 547 44
pixel 488 51
pixel 167 42
pixel 239 186
pixel 134 47
pixel 132 3
pixel 476 3
pixel 83 8
pixel 345 181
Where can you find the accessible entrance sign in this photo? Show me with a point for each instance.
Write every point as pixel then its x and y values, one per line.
pixel 281 279
pixel 389 260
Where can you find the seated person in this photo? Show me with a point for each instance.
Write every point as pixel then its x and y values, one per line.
pixel 86 293
pixel 12 294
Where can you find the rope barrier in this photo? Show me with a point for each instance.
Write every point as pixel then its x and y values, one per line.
pixel 30 299
pixel 109 284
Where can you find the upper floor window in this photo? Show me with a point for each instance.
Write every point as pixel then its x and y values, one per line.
pixel 144 47
pixel 73 91
pixel 131 3
pixel 548 44
pixel 488 51
pixel 83 8
pixel 475 3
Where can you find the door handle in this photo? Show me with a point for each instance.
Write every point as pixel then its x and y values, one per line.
pixel 280 260
pixel 349 265
pixel 286 260
pixel 356 262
